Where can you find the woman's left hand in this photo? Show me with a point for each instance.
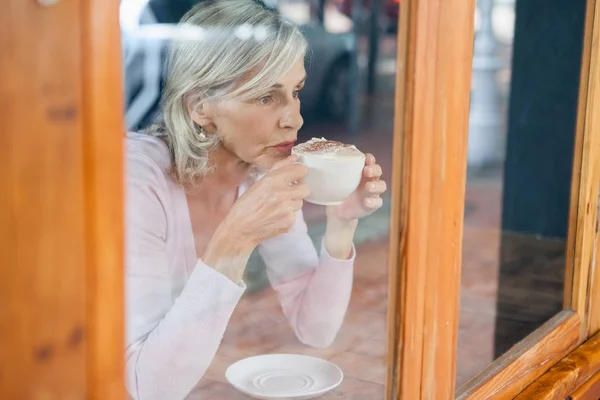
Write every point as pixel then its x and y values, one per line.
pixel 366 198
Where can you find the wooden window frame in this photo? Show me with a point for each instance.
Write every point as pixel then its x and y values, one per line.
pixel 432 104
pixel 569 375
pixel 61 200
pixel 103 128
pixel 429 176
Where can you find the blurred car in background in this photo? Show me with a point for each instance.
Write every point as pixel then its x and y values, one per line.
pixel 388 18
pixel 147 26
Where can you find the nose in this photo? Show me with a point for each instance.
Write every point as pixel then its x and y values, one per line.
pixel 291 118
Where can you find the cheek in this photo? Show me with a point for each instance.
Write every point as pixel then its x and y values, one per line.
pixel 257 128
pixel 253 137
pixel 248 130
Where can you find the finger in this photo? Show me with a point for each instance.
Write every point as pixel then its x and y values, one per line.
pixel 369 159
pixel 296 205
pixel 292 173
pixel 373 171
pixel 299 191
pixel 373 202
pixel 287 161
pixel 376 187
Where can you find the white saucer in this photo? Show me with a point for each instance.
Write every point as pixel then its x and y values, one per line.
pixel 284 376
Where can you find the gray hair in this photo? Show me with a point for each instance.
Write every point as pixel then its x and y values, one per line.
pixel 241 48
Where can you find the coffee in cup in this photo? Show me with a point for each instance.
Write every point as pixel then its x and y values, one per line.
pixel 334 169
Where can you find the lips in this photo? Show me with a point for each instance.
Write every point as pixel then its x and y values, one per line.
pixel 284 147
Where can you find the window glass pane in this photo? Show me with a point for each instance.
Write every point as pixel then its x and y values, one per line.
pixel 216 273
pixel 526 71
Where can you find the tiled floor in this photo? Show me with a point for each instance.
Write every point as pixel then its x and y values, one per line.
pixel 479 283
pixel 258 327
pixel 511 284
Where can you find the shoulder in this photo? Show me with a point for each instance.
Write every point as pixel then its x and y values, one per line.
pixel 149 187
pixel 154 150
pixel 147 159
pixel 147 178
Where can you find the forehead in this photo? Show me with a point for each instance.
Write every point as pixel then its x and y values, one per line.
pixel 294 75
pixel 246 90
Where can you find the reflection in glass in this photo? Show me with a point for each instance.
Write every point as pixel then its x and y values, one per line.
pixel 218 269
pixel 521 140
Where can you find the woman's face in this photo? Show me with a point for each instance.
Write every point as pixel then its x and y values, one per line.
pixel 262 130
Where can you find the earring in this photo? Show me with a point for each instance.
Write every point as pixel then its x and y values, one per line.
pixel 201 135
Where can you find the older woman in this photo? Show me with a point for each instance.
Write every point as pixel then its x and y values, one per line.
pixel 216 181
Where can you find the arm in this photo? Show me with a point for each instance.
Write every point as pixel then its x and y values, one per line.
pixel 314 290
pixel 171 340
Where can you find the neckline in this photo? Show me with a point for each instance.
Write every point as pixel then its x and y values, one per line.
pixel 191 256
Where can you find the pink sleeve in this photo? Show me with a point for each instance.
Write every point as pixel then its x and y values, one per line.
pixel 171 340
pixel 314 290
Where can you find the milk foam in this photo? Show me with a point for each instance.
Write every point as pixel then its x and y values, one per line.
pixel 330 149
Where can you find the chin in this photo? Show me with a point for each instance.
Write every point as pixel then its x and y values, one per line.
pixel 266 161
pixel 279 157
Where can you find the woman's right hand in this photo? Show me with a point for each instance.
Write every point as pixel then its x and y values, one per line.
pixel 267 209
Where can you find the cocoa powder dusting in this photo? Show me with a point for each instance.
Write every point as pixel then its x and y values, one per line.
pixel 325 146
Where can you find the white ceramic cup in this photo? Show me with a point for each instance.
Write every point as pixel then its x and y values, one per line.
pixel 331 180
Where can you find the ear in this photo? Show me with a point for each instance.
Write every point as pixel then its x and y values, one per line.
pixel 200 114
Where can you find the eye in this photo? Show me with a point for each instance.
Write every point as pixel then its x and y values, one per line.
pixel 296 93
pixel 266 100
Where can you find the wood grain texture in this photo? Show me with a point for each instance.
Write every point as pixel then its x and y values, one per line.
pixel 432 108
pixel 103 132
pixel 592 132
pixel 61 196
pixel 42 239
pixel 568 374
pixel 577 158
pixel 506 377
pixel 583 233
pixel 590 390
pixel 398 215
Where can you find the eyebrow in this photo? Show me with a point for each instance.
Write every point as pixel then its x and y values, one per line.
pixel 279 85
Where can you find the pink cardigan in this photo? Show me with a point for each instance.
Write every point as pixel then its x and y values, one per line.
pixel 177 307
